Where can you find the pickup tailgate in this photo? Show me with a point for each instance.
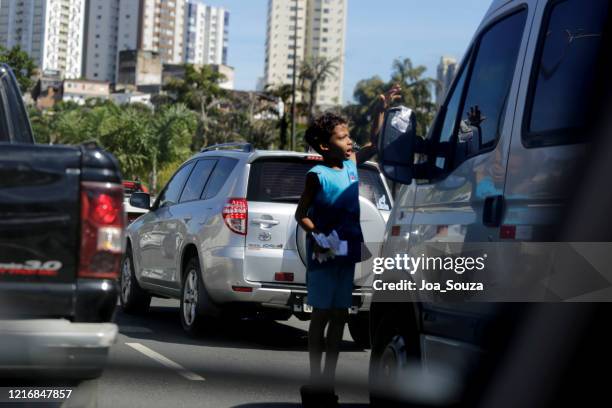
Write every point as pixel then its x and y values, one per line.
pixel 39 229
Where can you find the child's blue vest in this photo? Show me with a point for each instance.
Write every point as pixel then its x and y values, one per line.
pixel 336 205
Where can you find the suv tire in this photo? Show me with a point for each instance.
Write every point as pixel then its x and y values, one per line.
pixel 194 299
pixel 134 300
pixel 393 349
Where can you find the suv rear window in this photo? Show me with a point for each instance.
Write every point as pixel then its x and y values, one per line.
pixel 283 180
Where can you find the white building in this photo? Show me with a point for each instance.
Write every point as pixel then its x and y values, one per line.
pixel 321 33
pixel 122 98
pixel 79 90
pixel 206 34
pixel 180 31
pixel 447 69
pixel 161 28
pixel 50 31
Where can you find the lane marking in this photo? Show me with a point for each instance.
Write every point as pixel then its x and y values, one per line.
pixel 166 362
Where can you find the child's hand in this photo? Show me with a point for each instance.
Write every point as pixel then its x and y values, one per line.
pixel 385 100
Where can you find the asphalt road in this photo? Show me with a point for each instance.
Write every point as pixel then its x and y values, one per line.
pixel 235 364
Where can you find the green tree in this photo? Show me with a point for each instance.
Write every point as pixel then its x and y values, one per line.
pixel 313 74
pixel 366 92
pixel 23 66
pixel 199 89
pixel 173 129
pixel 416 91
pixel 416 94
pixel 284 92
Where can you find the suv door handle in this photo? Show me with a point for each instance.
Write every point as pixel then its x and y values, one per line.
pixel 493 211
pixel 265 221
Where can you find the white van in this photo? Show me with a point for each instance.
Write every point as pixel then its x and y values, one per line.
pixel 530 72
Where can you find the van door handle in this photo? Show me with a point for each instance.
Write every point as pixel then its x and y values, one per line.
pixel 187 218
pixel 265 221
pixel 493 211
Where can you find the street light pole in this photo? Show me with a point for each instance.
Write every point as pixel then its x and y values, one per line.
pixel 295 33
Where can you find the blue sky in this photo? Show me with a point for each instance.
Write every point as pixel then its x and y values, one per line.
pixel 378 31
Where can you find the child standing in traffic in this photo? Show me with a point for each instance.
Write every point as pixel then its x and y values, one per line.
pixel 329 208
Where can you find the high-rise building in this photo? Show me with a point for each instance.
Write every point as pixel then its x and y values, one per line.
pixel 161 28
pixel 206 34
pixel 179 31
pixel 447 69
pixel 306 30
pixel 101 29
pixel 50 31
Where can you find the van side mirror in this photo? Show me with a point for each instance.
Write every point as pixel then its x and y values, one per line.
pixel 396 145
pixel 140 200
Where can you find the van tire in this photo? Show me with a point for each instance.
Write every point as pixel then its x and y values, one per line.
pixel 194 318
pixel 393 342
pixel 134 300
pixel 359 327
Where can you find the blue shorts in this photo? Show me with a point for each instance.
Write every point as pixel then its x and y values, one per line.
pixel 330 284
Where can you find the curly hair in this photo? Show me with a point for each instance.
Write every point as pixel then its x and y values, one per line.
pixel 322 129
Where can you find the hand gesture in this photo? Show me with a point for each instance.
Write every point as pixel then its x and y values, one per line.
pixel 385 100
pixel 475 116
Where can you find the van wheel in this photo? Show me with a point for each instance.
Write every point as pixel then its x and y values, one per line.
pixel 193 299
pixel 134 300
pixel 359 327
pixel 392 352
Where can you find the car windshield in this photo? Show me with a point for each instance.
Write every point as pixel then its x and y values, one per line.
pixel 282 180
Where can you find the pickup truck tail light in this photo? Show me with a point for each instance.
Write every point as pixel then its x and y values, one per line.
pixel 102 230
pixel 236 215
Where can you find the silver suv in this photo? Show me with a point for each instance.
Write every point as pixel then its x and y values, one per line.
pixel 222 237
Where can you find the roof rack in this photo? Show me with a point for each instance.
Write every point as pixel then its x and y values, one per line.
pixel 245 147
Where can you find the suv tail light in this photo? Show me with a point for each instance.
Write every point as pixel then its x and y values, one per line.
pixel 102 230
pixel 236 215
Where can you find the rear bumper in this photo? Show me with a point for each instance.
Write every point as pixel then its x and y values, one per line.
pixel 226 284
pixel 54 347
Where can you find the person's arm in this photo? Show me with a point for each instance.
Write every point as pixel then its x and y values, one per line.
pixel 301 213
pixel 383 102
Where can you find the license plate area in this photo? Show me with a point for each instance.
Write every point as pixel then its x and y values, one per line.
pixel 299 303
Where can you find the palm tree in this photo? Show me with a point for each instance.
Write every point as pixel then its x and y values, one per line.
pixel 284 93
pixel 416 91
pixel 200 91
pixel 172 130
pixel 313 73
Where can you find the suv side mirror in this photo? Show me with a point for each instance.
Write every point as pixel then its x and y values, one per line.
pixel 396 145
pixel 140 200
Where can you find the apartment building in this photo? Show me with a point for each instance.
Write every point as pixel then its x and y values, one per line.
pixel 306 29
pixel 178 31
pixel 206 34
pixel 50 31
pixel 447 69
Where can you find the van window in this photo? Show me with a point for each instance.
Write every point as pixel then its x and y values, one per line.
pixel 492 75
pixel 170 194
pixel 283 180
pixel 565 71
pixel 197 180
pixel 484 82
pixel 220 175
pixel 449 120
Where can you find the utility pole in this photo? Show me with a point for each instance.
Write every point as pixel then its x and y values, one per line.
pixel 295 33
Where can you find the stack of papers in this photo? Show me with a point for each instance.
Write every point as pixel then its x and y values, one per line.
pixel 333 243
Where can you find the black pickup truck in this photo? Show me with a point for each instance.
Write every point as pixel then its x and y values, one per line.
pixel 61 242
